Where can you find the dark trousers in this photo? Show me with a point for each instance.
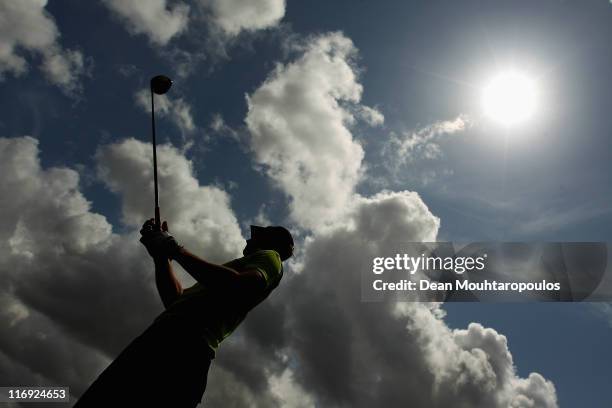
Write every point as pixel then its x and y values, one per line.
pixel 166 366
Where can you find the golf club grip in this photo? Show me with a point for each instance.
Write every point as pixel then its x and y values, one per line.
pixel 157 217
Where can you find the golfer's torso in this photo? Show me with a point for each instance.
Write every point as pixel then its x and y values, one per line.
pixel 209 313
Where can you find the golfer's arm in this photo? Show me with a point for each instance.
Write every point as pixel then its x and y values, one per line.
pixel 219 276
pixel 168 286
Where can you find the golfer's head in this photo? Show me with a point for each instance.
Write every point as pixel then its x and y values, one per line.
pixel 274 237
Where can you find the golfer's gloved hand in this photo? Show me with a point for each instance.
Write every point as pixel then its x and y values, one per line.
pixel 158 242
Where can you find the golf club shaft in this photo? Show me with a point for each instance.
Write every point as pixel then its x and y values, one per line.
pixel 157 214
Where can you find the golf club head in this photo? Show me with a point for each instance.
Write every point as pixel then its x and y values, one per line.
pixel 160 84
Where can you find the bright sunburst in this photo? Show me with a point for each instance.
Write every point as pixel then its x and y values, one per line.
pixel 510 98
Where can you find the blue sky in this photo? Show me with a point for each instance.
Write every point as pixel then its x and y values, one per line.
pixel 300 113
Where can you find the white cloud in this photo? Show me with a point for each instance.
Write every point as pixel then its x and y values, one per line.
pixel 36 347
pixel 38 198
pixel 234 16
pixel 26 25
pixel 215 20
pixel 50 237
pixel 219 127
pixel 201 215
pixel 399 354
pixel 308 345
pixel 288 392
pixel 533 391
pixel 217 124
pixel 423 142
pixel 73 293
pixel 314 342
pixel 63 68
pixel 371 116
pixel 299 129
pixel 393 217
pixel 186 33
pixel 345 352
pixel 177 109
pixel 474 367
pixel 156 19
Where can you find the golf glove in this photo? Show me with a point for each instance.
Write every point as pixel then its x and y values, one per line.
pixel 158 242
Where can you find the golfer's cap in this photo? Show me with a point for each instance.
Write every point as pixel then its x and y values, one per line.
pixel 276 233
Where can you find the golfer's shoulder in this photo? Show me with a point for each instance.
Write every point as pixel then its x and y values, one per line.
pixel 269 263
pixel 266 261
pixel 267 257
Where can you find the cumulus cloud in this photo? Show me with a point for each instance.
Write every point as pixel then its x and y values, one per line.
pixel 234 16
pixel 156 19
pixel 337 350
pixel 52 267
pixel 299 132
pixel 74 293
pixel 345 352
pixel 213 26
pixel 201 215
pixel 27 26
pixel 314 342
pixel 162 20
pixel 176 109
pixel 35 346
pixel 186 33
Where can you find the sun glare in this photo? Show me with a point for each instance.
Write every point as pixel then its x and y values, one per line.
pixel 510 98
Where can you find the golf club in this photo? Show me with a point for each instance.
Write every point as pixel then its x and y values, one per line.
pixel 160 84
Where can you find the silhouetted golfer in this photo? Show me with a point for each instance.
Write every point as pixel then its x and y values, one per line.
pixel 167 365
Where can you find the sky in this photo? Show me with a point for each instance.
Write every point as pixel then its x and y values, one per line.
pixel 356 124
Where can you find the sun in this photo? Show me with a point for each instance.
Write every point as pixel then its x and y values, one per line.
pixel 510 98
